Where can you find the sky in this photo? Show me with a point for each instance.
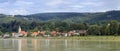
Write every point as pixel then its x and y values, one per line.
pixel 25 7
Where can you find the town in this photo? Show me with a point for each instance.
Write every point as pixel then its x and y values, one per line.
pixel 53 33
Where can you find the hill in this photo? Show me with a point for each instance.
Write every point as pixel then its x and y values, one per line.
pixel 70 17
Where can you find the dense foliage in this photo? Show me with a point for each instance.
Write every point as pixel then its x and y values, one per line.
pixel 107 28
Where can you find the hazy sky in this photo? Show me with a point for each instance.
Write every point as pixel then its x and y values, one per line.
pixel 40 6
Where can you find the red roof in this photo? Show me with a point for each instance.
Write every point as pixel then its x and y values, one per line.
pixel 23 32
pixel 54 32
pixel 35 33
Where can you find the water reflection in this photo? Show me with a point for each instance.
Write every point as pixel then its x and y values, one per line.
pixel 56 45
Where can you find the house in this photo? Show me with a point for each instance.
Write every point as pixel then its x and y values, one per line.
pixel 80 32
pixel 83 32
pixel 74 33
pixel 6 36
pixel 70 33
pixel 18 35
pixel 34 34
pixel 42 33
pixel 54 33
pixel 23 33
pixel 64 34
pixel 14 34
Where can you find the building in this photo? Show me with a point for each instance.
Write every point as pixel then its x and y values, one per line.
pixel 78 32
pixel 34 34
pixel 6 36
pixel 20 33
pixel 54 33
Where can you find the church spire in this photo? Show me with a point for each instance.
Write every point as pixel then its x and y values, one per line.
pixel 19 29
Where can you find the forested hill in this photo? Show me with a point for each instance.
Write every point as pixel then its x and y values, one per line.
pixel 70 17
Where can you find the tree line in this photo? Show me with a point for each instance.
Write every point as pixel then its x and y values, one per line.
pixel 99 28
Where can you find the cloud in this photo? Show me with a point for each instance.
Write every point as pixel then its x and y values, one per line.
pixel 56 2
pixel 91 3
pixel 23 3
pixel 14 11
pixel 19 11
pixel 16 7
pixel 77 6
pixel 39 6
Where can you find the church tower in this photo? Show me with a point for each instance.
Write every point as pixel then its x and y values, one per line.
pixel 19 29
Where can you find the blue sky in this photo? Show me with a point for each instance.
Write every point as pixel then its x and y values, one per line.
pixel 24 7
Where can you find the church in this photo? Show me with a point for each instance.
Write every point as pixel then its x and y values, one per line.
pixel 20 33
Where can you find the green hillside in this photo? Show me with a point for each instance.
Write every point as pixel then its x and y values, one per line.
pixel 70 17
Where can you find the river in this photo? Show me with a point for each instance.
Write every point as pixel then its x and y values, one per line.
pixel 57 45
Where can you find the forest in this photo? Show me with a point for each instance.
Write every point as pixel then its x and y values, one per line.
pixel 108 28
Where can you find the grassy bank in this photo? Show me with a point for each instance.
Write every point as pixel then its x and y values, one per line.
pixel 84 38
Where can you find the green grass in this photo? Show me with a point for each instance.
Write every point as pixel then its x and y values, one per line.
pixel 82 38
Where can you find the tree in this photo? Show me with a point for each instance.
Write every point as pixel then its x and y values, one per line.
pixel 119 30
pixel 94 30
pixel 1 33
pixel 113 27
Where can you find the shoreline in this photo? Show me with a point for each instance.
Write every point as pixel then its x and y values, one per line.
pixel 82 38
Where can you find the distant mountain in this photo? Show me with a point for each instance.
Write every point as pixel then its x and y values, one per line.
pixel 70 17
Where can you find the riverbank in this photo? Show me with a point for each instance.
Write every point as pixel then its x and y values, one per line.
pixel 82 38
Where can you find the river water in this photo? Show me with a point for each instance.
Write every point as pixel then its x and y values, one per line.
pixel 57 45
